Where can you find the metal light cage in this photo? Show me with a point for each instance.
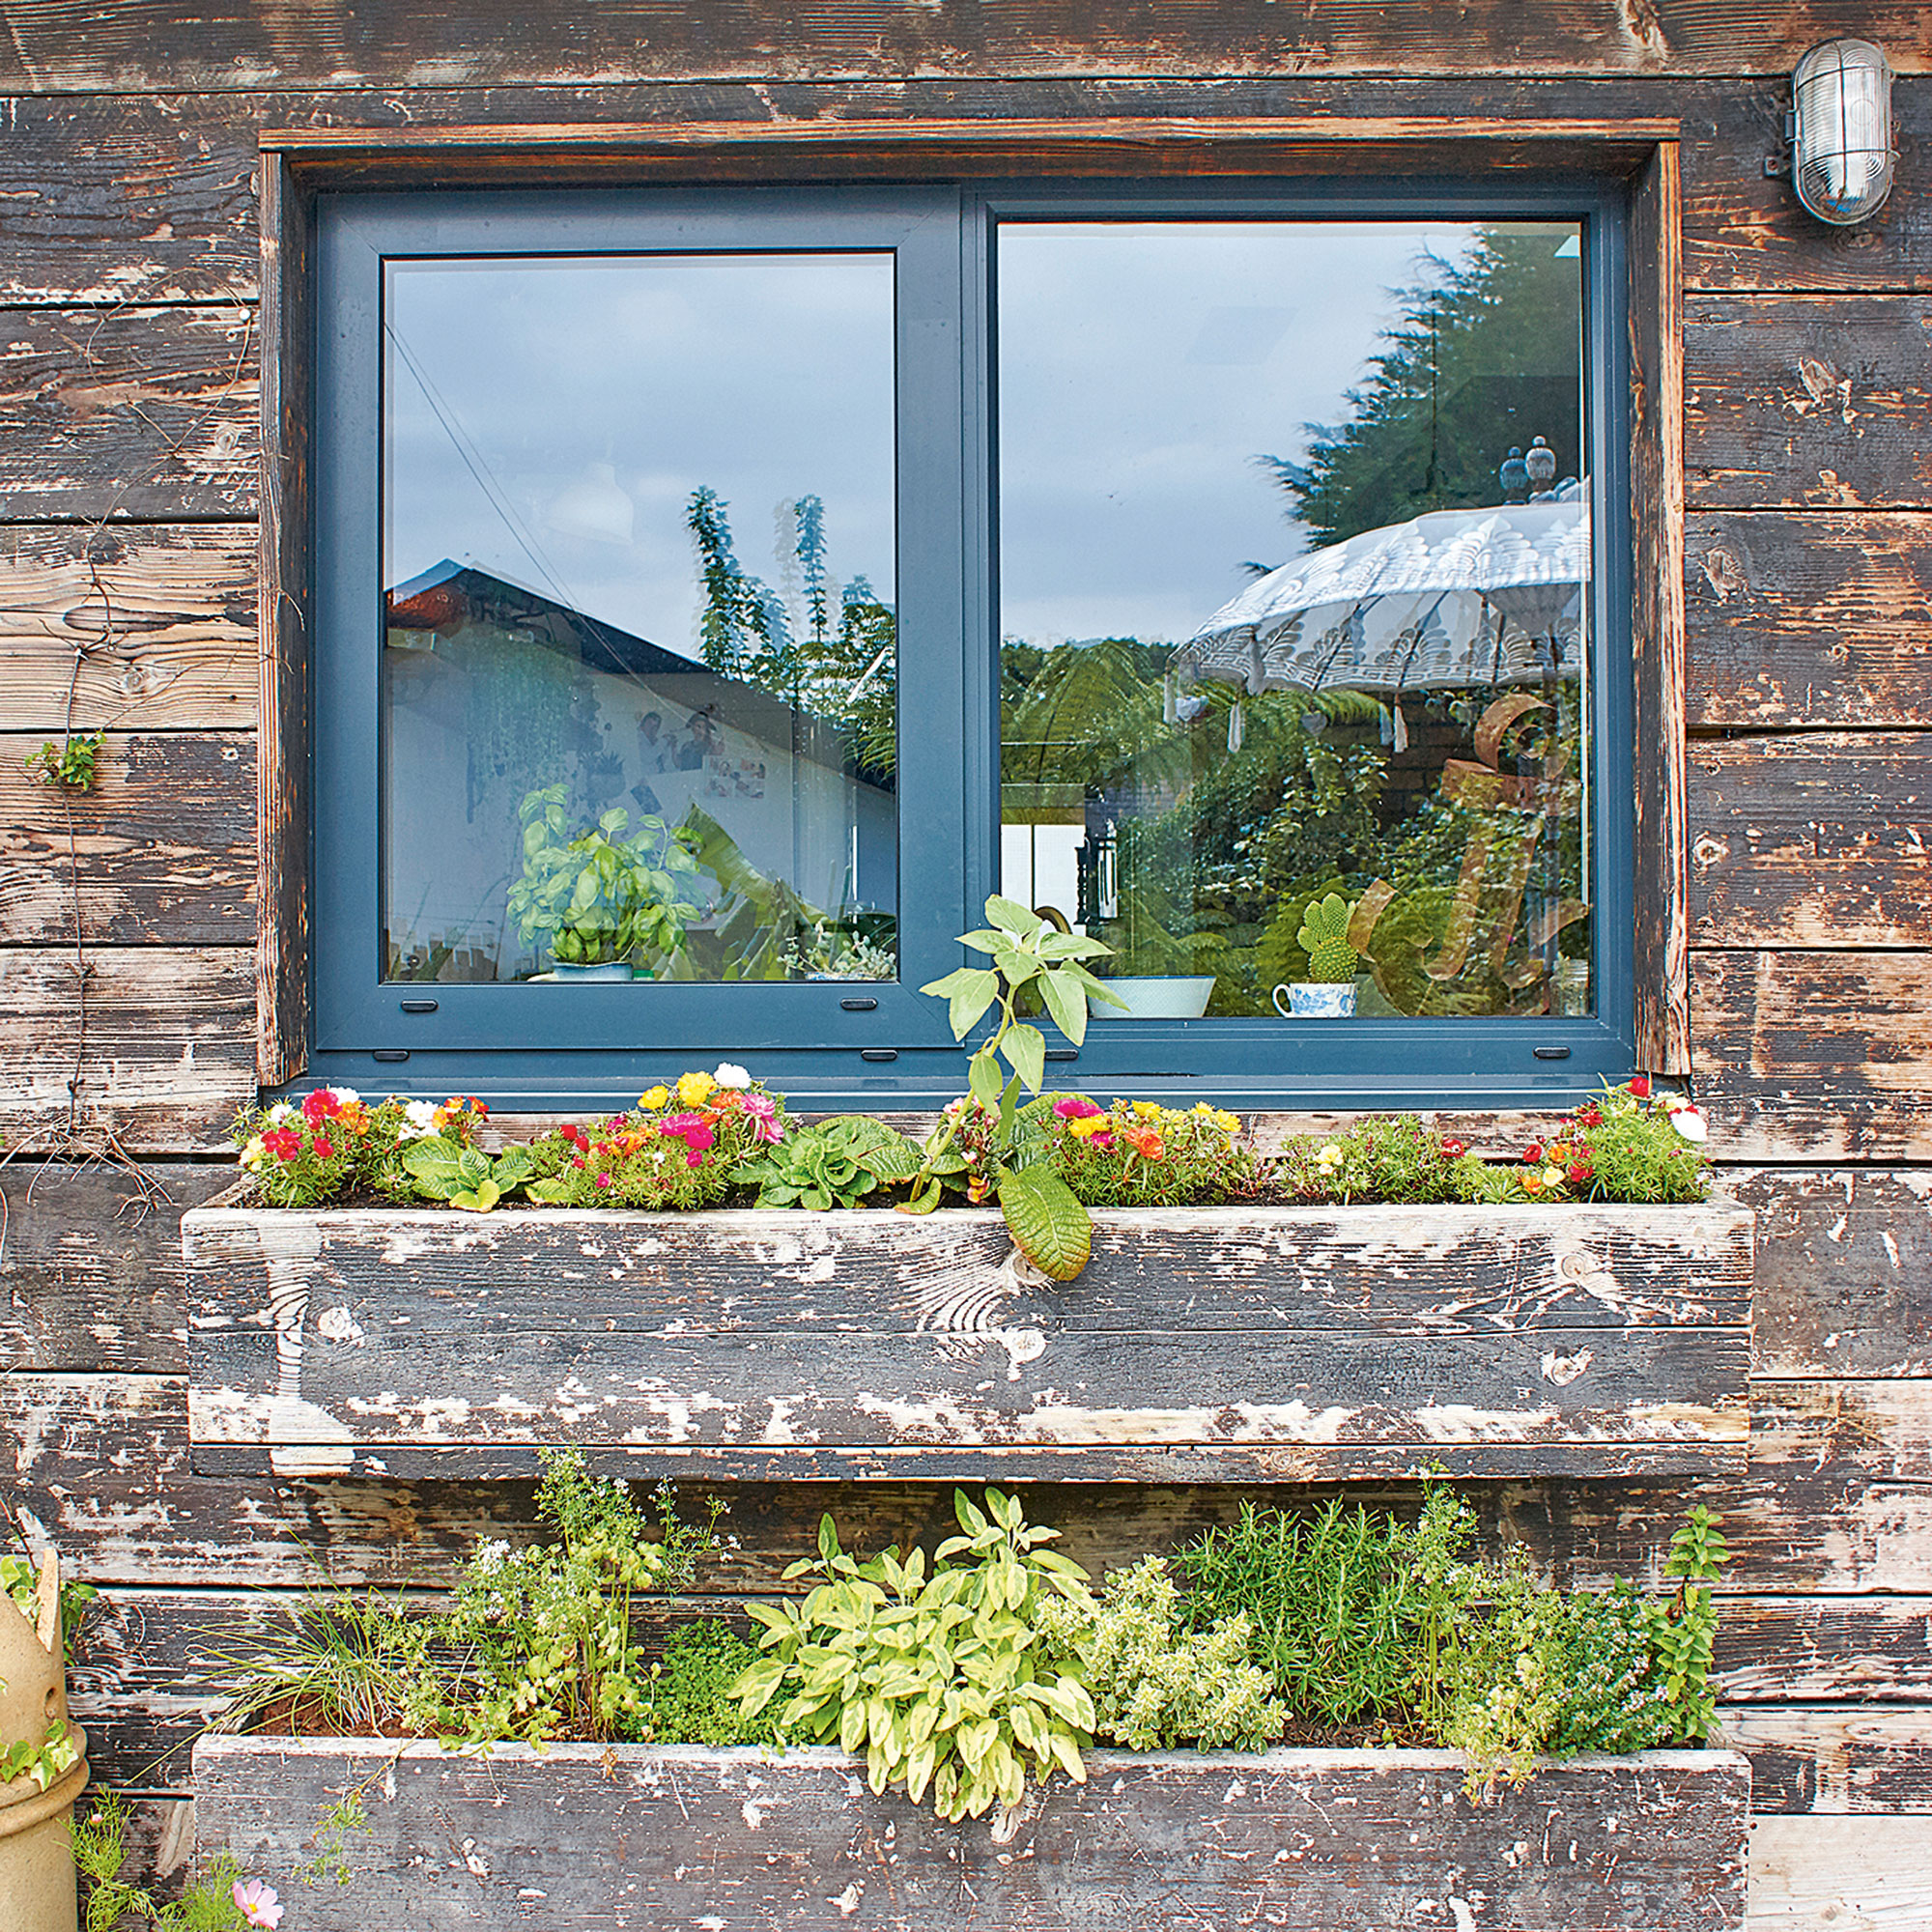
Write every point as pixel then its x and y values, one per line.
pixel 1841 157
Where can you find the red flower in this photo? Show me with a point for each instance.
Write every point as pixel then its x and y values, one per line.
pixel 1532 1154
pixel 1640 1087
pixel 283 1143
pixel 325 1147
pixel 320 1106
pixel 1579 1172
pixel 1589 1117
pixel 1453 1150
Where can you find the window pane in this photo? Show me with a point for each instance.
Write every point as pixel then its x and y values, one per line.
pixel 640 662
pixel 1294 602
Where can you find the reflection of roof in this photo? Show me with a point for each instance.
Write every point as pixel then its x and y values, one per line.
pixel 448 593
pixel 603 646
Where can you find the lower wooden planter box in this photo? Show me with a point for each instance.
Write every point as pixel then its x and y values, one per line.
pixel 1200 1345
pixel 685 1839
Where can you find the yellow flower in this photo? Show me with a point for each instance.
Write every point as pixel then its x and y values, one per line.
pixel 1090 1125
pixel 695 1089
pixel 1228 1123
pixel 1148 1110
pixel 1552 1175
pixel 251 1154
pixel 656 1101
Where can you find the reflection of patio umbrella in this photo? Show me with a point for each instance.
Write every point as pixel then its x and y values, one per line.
pixel 1453 598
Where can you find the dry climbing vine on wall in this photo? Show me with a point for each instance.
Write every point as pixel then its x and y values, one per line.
pixel 71 767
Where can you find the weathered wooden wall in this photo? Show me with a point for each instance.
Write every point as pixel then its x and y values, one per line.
pixel 128 485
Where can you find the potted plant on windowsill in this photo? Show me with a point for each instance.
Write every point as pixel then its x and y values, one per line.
pixel 1326 936
pixel 595 900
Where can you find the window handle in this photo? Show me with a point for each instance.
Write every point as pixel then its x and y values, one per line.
pixel 860 1006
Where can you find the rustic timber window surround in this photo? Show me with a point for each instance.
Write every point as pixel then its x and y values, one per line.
pixel 334 1002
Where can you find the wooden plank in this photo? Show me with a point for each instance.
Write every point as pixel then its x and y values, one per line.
pixel 1844 1270
pixel 1834 1758
pixel 138 413
pixel 1747 230
pixel 110 198
pixel 157 46
pixel 1810 619
pixel 735 1840
pixel 282 798
pixel 1835 1500
pixel 1866 1650
pixel 162 619
pixel 1818 840
pixel 1862 1874
pixel 162 850
pixel 1807 402
pixel 167 1053
pixel 1285 1344
pixel 91 1274
pixel 1816 1056
pixel 1657 616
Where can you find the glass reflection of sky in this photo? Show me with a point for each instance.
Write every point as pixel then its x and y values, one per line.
pixel 1144 366
pixel 767 377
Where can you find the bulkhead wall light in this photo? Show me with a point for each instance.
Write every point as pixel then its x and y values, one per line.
pixel 1839 131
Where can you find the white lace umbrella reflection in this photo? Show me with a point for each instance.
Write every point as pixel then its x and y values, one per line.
pixel 1451 599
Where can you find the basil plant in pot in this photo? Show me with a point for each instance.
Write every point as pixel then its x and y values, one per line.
pixel 595 900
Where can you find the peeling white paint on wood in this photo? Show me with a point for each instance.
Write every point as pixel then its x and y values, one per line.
pixel 1607 1340
pixel 736 1842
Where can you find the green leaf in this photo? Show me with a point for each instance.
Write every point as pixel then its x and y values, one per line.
pixel 1047 1224
pixel 1066 1002
pixel 968 992
pixel 983 1078
pixel 1025 1048
pixel 1009 915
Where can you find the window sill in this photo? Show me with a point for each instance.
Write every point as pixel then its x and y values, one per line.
pixel 1200 1345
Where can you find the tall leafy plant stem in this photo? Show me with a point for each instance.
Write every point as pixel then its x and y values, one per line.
pixel 1029 954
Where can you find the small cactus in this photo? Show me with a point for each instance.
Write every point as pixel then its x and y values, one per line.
pixel 1324 938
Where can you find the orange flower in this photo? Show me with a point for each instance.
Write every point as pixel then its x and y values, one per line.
pixel 1143 1141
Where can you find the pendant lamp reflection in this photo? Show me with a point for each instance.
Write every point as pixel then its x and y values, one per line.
pixel 596 507
pixel 1841 157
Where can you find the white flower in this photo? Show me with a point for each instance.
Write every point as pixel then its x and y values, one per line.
pixel 418 1121
pixel 281 1111
pixel 1690 1121
pixel 343 1097
pixel 728 1075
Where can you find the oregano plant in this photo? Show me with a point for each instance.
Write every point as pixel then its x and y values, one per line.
pixel 989 1141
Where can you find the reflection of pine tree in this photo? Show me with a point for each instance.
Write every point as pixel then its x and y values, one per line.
pixel 1486 353
pixel 846 675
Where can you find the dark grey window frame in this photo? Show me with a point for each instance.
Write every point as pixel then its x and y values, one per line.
pixel 800 1037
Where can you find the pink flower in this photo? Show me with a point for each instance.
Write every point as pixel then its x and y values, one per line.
pixel 257 1903
pixel 693 1129
pixel 602 1180
pixel 1075 1107
pixel 694 1158
pixel 763 1111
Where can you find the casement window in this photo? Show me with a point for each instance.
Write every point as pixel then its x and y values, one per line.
pixel 728 587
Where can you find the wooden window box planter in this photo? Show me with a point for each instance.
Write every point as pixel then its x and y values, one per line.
pixel 731 1840
pixel 1200 1345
